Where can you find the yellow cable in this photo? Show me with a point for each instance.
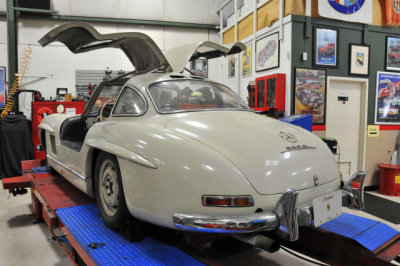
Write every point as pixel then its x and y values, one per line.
pixel 17 82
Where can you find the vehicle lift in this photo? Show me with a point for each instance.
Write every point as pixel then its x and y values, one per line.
pixel 346 240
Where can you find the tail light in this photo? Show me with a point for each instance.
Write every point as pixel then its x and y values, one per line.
pixel 228 201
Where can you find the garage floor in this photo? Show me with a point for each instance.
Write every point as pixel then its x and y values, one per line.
pixel 24 243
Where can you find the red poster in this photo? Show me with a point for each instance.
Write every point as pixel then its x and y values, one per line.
pixel 393 12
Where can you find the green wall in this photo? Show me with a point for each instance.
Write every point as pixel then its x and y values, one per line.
pixel 302 39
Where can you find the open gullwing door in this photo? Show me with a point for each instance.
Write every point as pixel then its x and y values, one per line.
pixel 179 56
pixel 80 37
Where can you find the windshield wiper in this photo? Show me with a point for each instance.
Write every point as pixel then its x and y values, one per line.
pixel 163 67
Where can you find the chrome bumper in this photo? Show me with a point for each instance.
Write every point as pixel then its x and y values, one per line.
pixel 285 218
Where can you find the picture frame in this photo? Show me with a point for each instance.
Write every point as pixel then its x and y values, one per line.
pixel 199 67
pixel 231 66
pixel 359 59
pixel 3 83
pixel 392 54
pixel 247 60
pixel 267 52
pixel 310 93
pixel 387 98
pixel 325 47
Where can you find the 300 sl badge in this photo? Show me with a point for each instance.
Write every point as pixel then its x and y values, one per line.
pixel 298 148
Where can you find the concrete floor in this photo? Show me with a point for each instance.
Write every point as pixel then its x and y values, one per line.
pixel 24 243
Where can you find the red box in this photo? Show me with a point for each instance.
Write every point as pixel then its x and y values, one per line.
pixel 270 93
pixel 40 110
pixel 389 179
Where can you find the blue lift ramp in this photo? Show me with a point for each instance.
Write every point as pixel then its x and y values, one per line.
pixel 85 224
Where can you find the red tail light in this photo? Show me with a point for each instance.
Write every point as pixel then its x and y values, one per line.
pixel 228 201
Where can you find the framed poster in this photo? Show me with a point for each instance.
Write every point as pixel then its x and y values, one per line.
pixel 231 65
pixel 267 52
pixel 199 67
pixel 325 48
pixel 246 60
pixel 2 87
pixel 359 60
pixel 310 93
pixel 387 102
pixel 392 53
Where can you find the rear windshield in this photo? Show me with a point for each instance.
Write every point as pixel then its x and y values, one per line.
pixel 194 95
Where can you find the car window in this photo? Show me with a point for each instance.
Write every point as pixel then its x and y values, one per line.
pixel 131 102
pixel 192 95
pixel 108 92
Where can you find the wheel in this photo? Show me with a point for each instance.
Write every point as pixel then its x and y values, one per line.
pixel 110 196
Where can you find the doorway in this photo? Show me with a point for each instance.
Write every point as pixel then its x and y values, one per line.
pixel 346 121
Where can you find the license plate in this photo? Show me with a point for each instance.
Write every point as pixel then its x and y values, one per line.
pixel 327 207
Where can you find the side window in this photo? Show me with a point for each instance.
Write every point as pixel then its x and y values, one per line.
pixel 130 103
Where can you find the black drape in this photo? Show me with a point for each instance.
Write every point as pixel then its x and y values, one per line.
pixel 15 144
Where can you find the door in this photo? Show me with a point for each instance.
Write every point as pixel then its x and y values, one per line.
pixel 346 122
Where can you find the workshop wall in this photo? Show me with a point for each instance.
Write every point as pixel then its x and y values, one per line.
pixel 54 66
pixel 239 83
pixel 378 150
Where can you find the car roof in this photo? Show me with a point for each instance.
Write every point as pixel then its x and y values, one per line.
pixel 144 80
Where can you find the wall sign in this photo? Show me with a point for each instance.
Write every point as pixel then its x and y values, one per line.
pixel 346 6
pixel 348 10
pixel 373 131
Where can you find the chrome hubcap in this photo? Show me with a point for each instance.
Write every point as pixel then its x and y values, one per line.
pixel 108 188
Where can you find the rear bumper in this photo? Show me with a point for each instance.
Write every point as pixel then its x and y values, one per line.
pixel 284 215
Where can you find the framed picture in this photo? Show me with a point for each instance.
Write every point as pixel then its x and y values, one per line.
pixel 246 60
pixel 325 48
pixel 199 67
pixel 387 102
pixel 392 53
pixel 267 52
pixel 2 87
pixel 359 59
pixel 231 65
pixel 310 93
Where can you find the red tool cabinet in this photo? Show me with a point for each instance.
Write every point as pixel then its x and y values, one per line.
pixel 41 109
pixel 270 93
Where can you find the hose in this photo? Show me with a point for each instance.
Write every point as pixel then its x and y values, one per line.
pixel 12 93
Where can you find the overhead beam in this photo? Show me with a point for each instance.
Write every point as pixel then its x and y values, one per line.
pixel 135 21
pixel 35 10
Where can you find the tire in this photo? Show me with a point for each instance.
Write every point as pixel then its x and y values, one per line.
pixel 109 192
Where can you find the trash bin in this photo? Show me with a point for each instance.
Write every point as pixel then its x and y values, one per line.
pixel 389 179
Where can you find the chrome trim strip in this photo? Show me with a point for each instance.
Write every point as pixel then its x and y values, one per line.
pixel 66 168
pixel 353 191
pixel 225 224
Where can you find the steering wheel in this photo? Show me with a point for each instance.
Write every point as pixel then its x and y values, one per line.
pixel 103 107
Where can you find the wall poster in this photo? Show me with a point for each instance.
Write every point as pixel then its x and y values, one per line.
pixel 267 52
pixel 246 60
pixel 199 67
pixel 310 93
pixel 359 60
pixel 392 53
pixel 2 87
pixel 231 65
pixel 325 50
pixel 387 103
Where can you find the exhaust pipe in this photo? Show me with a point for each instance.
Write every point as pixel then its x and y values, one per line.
pixel 259 241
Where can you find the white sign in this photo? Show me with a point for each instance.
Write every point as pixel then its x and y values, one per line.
pixel 70 111
pixel 354 11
